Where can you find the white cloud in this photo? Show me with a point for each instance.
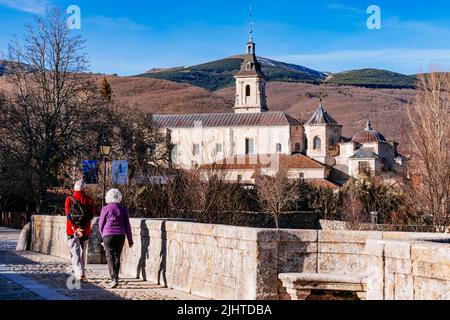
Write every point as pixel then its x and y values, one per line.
pixel 343 7
pixel 113 24
pixel 31 6
pixel 407 61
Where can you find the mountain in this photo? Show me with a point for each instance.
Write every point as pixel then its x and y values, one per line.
pixel 219 74
pixel 372 78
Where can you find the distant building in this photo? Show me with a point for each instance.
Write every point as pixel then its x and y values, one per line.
pixel 252 139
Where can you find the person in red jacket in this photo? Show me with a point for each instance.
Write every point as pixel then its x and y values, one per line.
pixel 80 210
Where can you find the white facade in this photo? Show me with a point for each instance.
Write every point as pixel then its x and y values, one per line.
pixel 250 95
pixel 203 140
pixel 215 144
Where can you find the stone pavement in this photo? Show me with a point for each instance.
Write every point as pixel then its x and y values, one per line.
pixel 35 276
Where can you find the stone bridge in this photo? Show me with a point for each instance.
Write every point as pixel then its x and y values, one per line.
pixel 237 263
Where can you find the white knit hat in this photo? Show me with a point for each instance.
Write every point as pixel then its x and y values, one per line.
pixel 113 196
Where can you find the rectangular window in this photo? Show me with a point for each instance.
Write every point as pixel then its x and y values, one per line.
pixel 364 167
pixel 298 146
pixel 219 148
pixel 279 147
pixel 301 176
pixel 249 146
pixel 196 150
pixel 239 178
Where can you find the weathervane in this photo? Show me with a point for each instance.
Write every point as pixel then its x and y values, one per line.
pixel 250 24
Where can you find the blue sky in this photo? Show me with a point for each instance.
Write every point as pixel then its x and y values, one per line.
pixel 130 37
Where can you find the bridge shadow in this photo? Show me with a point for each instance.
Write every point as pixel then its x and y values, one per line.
pixel 145 246
pixel 49 275
pixel 163 255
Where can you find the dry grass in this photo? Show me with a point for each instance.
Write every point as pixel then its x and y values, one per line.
pixel 165 97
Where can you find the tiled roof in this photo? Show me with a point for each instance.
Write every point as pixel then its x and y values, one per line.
pixel 300 161
pixel 369 135
pixel 321 117
pixel 240 162
pixel 323 183
pixel 253 162
pixel 226 120
pixel 365 153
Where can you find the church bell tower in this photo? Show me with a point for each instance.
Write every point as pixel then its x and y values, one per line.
pixel 250 84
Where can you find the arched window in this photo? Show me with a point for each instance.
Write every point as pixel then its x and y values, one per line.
pixel 248 66
pixel 332 143
pixel 317 143
pixel 247 91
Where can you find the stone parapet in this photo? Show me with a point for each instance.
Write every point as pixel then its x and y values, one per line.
pixel 238 263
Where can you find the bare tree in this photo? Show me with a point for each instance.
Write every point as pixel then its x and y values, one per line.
pixel 277 194
pixel 46 117
pixel 429 184
pixel 353 210
pixel 325 201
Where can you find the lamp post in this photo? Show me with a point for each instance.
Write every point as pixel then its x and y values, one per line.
pixel 105 150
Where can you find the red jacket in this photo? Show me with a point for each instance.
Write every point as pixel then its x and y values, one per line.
pixel 88 205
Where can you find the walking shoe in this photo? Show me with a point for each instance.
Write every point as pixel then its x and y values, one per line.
pixel 83 279
pixel 113 284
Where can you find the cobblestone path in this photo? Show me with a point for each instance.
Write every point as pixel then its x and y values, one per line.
pixel 34 276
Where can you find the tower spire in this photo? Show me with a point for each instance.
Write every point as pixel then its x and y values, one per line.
pixel 250 23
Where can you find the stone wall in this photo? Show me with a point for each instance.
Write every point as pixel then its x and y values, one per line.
pixel 238 263
pixel 408 270
pixel 48 235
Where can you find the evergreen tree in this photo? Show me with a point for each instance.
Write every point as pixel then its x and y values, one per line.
pixel 105 90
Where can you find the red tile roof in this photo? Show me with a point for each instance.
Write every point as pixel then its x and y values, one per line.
pixel 300 161
pixel 253 162
pixel 323 183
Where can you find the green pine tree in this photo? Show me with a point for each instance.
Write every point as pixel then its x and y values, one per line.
pixel 105 90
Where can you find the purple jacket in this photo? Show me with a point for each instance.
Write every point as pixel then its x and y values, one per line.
pixel 114 221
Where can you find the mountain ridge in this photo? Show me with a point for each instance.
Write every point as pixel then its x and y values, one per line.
pixel 219 74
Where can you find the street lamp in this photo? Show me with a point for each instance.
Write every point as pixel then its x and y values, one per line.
pixel 105 150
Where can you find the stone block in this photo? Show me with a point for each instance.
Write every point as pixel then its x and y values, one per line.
pixel 431 289
pixel 341 263
pixel 431 252
pixel 397 249
pixel 299 235
pixel 347 236
pixel 431 270
pixel 403 266
pixel 341 248
pixel 404 287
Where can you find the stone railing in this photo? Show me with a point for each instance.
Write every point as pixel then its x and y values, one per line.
pixel 408 269
pixel 15 220
pixel 225 262
pixel 48 235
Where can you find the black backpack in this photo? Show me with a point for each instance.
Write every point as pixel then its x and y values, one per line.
pixel 77 215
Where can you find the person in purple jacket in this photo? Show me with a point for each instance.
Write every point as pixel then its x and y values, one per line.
pixel 114 225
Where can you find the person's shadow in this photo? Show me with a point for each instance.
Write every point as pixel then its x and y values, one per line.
pixel 145 243
pixel 163 255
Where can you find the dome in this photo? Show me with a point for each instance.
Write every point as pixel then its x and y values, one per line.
pixel 369 135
